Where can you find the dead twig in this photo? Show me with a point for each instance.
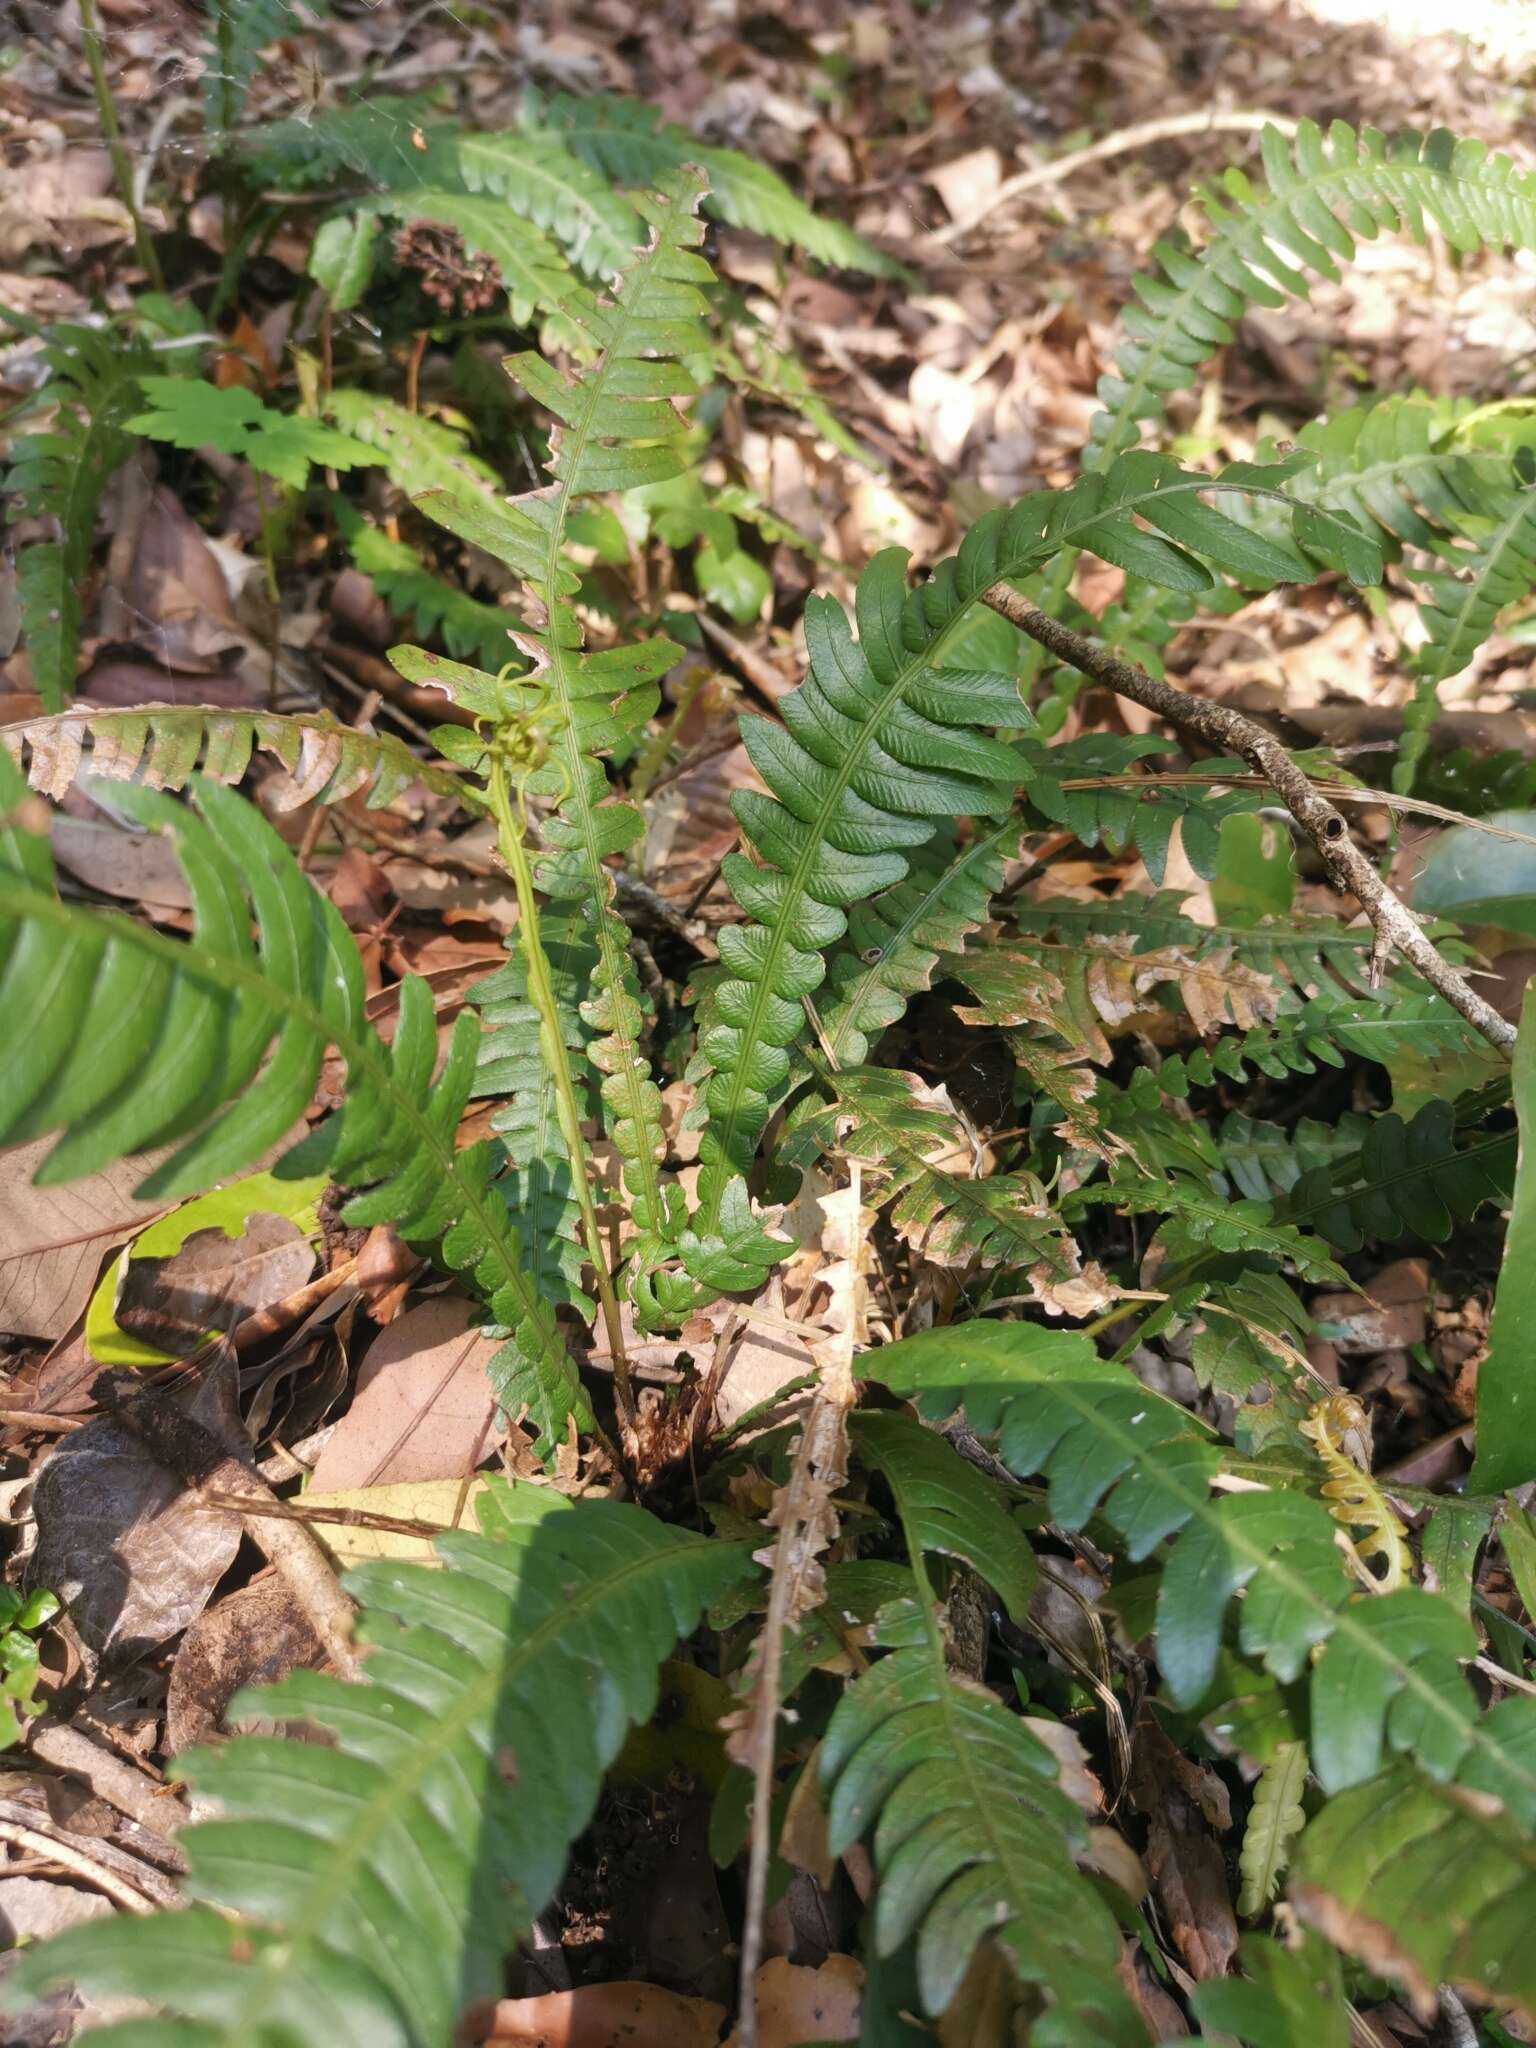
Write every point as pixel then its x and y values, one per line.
pixel 1336 792
pixel 65 1856
pixel 1163 129
pixel 293 1308
pixel 807 1522
pixel 1233 732
pixel 769 681
pixel 118 1783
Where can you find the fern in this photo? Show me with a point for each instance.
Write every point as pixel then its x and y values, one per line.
pixel 189 413
pixel 514 1073
pixel 1449 483
pixel 878 746
pixel 894 940
pixel 58 475
pixel 1382 1671
pixel 620 427
pixel 917 1149
pixel 948 1507
pixel 1408 1179
pixel 471 630
pixel 1125 819
pixel 631 145
pixel 1289 1996
pixel 159 1042
pixel 972 1840
pixel 366 1891
pixel 1274 1820
pixel 163 745
pixel 1373 1857
pixel 1307 955
pixel 373 138
pixel 542 183
pixel 972 1837
pixel 1263 246
pixel 1207 1217
pixel 426 458
pixel 536 276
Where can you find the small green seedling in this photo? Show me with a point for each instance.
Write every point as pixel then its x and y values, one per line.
pixel 22 1615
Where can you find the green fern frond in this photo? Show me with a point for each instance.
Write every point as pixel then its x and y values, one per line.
pixel 1124 818
pixel 1309 955
pixel 1210 1219
pixel 1400 1018
pixel 372 138
pixel 214 1045
pixel 1288 1996
pixel 365 1891
pixel 1448 482
pixel 58 476
pixel 426 459
pixel 895 939
pixel 164 745
pixel 751 362
pixel 630 144
pixel 543 183
pixel 948 1507
pixel 404 147
pixel 1410 1179
pixel 1374 1855
pixel 1263 246
pixel 513 1072
pixel 471 629
pixel 190 413
pixel 1382 1671
pixel 972 1840
pixel 1265 1159
pixel 1274 1820
pixel 879 745
pixel 619 426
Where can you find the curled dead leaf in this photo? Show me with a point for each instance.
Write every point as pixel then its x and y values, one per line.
pixel 622 2015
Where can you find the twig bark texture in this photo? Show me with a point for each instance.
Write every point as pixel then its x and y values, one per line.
pixel 1235 733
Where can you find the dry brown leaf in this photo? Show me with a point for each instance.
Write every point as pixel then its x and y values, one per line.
pixel 434 1504
pixel 423 1408
pixel 624 2015
pixel 1186 1863
pixel 797 2004
pixel 981 2013
pixel 966 183
pixel 213 1282
pixel 254 1636
pixel 177 590
pixel 140 867
pixel 947 410
pixel 53 1240
pixel 53 194
pixel 132 1555
pixel 1390 1316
